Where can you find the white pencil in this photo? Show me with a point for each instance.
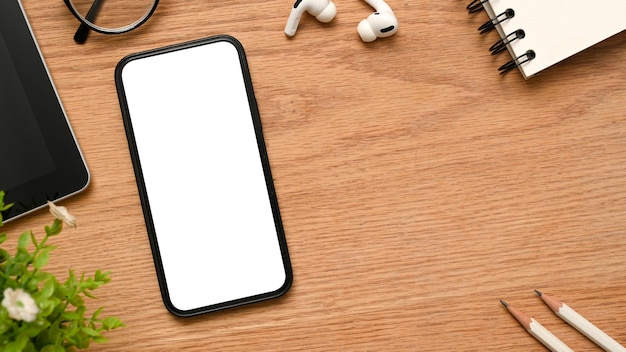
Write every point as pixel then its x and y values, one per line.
pixel 581 324
pixel 537 330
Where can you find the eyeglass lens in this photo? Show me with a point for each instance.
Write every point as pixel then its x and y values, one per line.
pixel 113 16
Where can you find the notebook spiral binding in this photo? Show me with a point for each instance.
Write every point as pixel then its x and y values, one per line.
pixel 476 6
pixel 500 46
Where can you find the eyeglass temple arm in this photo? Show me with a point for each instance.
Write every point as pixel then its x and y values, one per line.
pixel 83 30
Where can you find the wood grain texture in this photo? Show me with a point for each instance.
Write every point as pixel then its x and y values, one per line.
pixel 417 186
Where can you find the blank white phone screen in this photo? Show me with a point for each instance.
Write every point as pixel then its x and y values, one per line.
pixel 203 175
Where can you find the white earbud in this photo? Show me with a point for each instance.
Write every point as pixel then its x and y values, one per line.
pixel 323 10
pixel 380 24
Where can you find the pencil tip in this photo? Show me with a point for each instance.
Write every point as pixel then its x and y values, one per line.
pixel 504 303
pixel 539 293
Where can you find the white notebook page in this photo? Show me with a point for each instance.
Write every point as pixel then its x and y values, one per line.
pixel 556 30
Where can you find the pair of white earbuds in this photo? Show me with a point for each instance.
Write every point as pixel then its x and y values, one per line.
pixel 380 24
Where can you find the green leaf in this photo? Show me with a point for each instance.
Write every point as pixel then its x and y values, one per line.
pixel 71 279
pixel 33 239
pixel 12 347
pixel 22 256
pixel 83 343
pixel 17 345
pixel 47 306
pixel 55 229
pixel 52 348
pixel 3 206
pixel 3 237
pixel 4 326
pixel 70 338
pixel 17 269
pixel 100 339
pixel 89 331
pixel 31 330
pixel 4 255
pixel 61 291
pixel 31 284
pixel 54 333
pixel 24 239
pixel 96 314
pixel 71 315
pixel 102 276
pixel 76 300
pixel 111 323
pixel 48 288
pixel 42 258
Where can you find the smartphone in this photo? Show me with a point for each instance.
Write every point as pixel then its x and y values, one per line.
pixel 203 175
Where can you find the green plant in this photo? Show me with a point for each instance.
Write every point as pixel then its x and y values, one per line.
pixel 39 313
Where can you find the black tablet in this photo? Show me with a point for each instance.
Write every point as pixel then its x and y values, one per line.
pixel 39 157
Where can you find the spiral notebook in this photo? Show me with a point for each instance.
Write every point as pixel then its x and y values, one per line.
pixel 541 33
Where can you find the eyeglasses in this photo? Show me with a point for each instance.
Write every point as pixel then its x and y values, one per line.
pixel 109 16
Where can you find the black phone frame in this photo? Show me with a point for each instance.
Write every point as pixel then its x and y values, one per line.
pixel 154 245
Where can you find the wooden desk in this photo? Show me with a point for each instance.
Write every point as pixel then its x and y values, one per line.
pixel 417 186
